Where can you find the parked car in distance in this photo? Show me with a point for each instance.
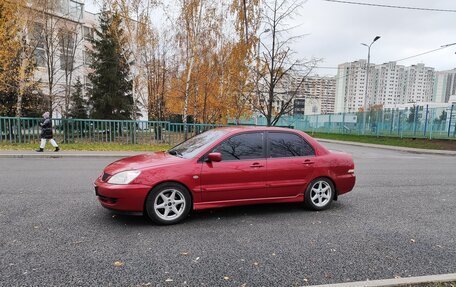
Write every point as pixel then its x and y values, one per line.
pixel 227 167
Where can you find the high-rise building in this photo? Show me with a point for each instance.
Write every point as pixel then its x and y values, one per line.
pixel 389 80
pixel 351 86
pixel 389 84
pixel 315 90
pixel 444 86
pixel 321 90
pixel 419 83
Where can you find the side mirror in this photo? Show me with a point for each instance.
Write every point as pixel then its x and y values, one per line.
pixel 214 157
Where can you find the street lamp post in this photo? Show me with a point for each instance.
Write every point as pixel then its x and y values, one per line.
pixel 259 41
pixel 366 94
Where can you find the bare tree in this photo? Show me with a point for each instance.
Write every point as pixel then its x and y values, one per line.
pixel 70 41
pixel 57 32
pixel 277 63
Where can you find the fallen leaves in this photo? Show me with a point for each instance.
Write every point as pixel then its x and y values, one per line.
pixel 226 278
pixel 169 280
pixel 118 263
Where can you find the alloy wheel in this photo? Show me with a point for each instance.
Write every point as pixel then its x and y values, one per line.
pixel 169 204
pixel 321 193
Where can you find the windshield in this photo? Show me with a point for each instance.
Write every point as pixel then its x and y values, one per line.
pixel 196 144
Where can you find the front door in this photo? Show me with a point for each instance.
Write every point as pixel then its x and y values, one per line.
pixel 242 172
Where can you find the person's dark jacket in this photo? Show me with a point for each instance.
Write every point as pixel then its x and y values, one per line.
pixel 46 129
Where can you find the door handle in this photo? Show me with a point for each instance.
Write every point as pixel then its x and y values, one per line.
pixel 308 161
pixel 256 164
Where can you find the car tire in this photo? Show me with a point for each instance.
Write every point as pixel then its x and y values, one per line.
pixel 319 194
pixel 168 203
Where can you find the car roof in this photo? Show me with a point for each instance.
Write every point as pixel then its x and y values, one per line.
pixel 254 128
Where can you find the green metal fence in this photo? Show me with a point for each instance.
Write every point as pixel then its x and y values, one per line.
pixel 418 122
pixel 27 130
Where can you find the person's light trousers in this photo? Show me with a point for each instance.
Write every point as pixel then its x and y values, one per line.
pixel 43 143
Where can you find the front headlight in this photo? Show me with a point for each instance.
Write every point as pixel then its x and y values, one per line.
pixel 124 177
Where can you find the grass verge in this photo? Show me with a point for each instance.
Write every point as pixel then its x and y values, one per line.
pixel 88 147
pixel 437 144
pixel 442 284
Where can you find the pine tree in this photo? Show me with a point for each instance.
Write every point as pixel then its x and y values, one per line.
pixel 78 108
pixel 111 95
pixel 411 116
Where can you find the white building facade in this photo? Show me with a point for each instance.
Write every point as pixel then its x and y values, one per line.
pixel 61 60
pixel 389 84
pixel 444 86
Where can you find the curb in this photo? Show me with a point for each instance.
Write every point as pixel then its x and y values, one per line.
pixel 397 282
pixel 396 148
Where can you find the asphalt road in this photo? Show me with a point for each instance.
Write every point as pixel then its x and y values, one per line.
pixel 400 220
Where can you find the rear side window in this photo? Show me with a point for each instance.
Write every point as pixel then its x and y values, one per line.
pixel 243 146
pixel 288 145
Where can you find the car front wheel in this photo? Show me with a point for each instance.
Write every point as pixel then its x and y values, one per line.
pixel 168 203
pixel 319 194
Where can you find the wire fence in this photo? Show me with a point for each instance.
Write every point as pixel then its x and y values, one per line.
pixel 27 130
pixel 417 122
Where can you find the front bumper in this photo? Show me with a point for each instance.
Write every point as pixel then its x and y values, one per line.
pixel 128 197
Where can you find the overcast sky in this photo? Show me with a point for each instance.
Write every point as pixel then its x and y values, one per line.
pixel 336 30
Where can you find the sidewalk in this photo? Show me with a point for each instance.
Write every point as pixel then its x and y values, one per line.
pixel 64 154
pixel 411 281
pixel 396 148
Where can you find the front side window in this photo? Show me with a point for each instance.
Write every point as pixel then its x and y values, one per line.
pixel 288 145
pixel 243 146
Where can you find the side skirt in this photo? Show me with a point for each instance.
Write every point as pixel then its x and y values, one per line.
pixel 218 204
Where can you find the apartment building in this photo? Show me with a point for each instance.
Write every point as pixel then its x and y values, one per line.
pixel 321 91
pixel 419 83
pixel 389 81
pixel 389 84
pixel 444 86
pixel 313 94
pixel 351 86
pixel 62 34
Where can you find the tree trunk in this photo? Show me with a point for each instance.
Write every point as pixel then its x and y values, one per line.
pixel 187 93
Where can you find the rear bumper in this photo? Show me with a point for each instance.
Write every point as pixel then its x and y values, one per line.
pixel 345 183
pixel 125 198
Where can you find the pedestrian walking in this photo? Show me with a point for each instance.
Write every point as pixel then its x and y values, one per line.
pixel 46 133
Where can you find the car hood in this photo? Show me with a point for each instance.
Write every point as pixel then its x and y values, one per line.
pixel 142 161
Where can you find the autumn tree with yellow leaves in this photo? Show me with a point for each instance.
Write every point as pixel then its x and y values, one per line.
pixel 19 93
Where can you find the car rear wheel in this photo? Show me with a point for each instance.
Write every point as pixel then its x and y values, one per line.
pixel 319 194
pixel 168 203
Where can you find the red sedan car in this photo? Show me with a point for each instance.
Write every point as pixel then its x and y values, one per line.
pixel 227 167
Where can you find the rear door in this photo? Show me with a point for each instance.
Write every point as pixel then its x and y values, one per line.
pixel 290 164
pixel 242 172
